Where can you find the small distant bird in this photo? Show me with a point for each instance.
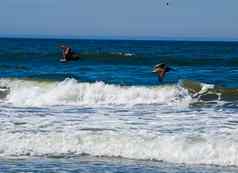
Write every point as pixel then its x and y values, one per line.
pixel 167 3
pixel 161 70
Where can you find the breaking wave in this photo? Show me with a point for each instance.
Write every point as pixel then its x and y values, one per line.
pixel 177 149
pixel 71 91
pixel 209 92
pixel 109 135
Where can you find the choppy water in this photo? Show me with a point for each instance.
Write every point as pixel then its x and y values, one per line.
pixel 107 111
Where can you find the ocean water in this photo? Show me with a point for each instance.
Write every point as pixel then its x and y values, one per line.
pixel 107 112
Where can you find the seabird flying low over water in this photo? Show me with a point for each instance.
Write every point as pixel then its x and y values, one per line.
pixel 161 70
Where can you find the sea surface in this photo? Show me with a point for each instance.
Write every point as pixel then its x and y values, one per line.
pixel 107 112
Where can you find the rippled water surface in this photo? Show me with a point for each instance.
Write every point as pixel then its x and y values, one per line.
pixel 107 112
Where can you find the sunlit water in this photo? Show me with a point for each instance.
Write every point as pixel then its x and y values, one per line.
pixel 108 113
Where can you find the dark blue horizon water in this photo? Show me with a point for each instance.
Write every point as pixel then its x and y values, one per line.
pixel 57 117
pixel 192 60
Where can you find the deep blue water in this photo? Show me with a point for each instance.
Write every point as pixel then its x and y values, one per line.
pixel 107 112
pixel 209 62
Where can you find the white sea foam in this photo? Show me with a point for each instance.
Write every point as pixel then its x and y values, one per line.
pixel 129 54
pixel 70 91
pixel 205 88
pixel 93 118
pixel 197 150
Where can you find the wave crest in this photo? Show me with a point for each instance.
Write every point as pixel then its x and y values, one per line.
pixel 70 91
pixel 189 150
pixel 209 92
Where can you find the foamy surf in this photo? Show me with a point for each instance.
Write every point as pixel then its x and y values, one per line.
pixel 71 118
pixel 176 149
pixel 73 92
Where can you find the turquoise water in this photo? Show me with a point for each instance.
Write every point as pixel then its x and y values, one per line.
pixel 107 112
